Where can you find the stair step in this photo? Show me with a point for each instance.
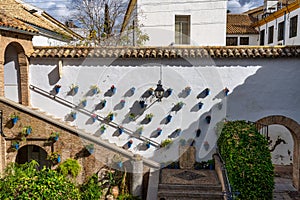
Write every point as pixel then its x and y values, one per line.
pixel 207 187
pixel 189 195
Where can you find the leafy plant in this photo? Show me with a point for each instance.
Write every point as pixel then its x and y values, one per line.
pixel 149 116
pixel 26 130
pixel 248 160
pixel 14 116
pixel 166 142
pixel 91 189
pixel 54 157
pixel 69 167
pixel 95 89
pixel 90 148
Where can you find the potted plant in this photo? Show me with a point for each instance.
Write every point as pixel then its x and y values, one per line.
pixel 208 119
pixel 26 130
pixel 117 161
pixel 122 103
pixel 74 88
pixel 166 143
pixel 200 104
pixel 57 88
pixel 110 117
pixel 120 129
pixel 102 129
pixel 207 91
pixel 226 91
pixel 103 103
pixel 54 136
pixel 83 102
pixel 188 90
pixel 14 118
pixel 129 143
pixel 168 118
pixel 142 104
pixel 15 145
pixel 90 148
pixel 149 117
pixel 169 91
pixel 147 144
pixel 131 116
pixel 113 89
pixel 159 131
pixel 94 117
pixel 73 114
pixel 95 89
pixel 198 132
pixel 140 130
pixel 55 157
pixel 132 90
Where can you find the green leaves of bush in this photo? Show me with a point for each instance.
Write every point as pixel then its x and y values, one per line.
pixel 248 160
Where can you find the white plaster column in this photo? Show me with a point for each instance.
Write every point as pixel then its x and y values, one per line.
pixel 137 176
pixel 153 182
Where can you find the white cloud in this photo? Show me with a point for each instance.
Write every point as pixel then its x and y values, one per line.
pixel 239 6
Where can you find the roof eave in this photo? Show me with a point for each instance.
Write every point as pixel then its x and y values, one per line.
pixel 12 29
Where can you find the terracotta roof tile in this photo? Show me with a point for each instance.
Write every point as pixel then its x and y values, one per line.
pixel 9 22
pixel 240 24
pixel 166 52
pixel 22 11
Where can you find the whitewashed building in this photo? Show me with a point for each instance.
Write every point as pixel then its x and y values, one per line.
pixel 179 22
pixel 279 24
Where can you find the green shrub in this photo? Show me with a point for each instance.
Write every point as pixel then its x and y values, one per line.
pixel 70 167
pixel 248 160
pixel 26 182
pixel 91 189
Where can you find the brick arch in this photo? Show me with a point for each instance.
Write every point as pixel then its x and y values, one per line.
pixel 294 129
pixel 23 68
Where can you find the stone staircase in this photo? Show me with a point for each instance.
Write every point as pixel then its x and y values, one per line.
pixel 177 184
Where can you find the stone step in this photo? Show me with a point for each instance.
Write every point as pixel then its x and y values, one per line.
pixel 177 195
pixel 180 187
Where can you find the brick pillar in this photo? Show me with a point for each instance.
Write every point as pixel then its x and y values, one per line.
pixel 1 78
pixel 24 84
pixel 296 165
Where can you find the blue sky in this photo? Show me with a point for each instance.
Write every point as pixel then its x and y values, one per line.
pixel 59 8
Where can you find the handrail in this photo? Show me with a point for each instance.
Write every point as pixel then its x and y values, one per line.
pixel 228 187
pixel 89 113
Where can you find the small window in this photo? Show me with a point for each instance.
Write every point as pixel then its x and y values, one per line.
pixel 280 31
pixel 262 37
pixel 270 34
pixel 293 26
pixel 231 41
pixel 182 29
pixel 244 40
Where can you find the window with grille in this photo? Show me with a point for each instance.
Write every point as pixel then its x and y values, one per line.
pixel 231 41
pixel 293 26
pixel 262 37
pixel 280 31
pixel 244 40
pixel 270 34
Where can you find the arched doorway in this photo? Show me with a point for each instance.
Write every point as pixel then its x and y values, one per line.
pixel 293 128
pixel 32 152
pixel 15 73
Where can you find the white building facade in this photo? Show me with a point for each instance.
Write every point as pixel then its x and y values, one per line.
pixel 183 22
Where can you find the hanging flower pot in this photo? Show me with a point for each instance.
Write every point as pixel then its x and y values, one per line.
pixel 102 129
pixel 120 129
pixel 57 88
pixel 148 144
pixel 73 114
pixel 149 117
pixel 103 103
pixel 74 89
pixel 168 118
pixel 207 91
pixel 122 103
pixel 14 118
pixel 188 90
pixel 58 159
pixel 55 157
pixel 208 119
pixel 169 92
pixel 113 89
pixel 200 104
pixel 95 89
pixel 94 117
pixel 140 130
pixel 54 136
pixel 131 116
pixel 226 91
pixel 129 143
pixel 27 130
pixel 15 145
pixel 206 145
pixel 142 104
pixel 84 102
pixel 120 164
pixel 159 131
pixel 110 117
pixel 198 132
pixel 132 90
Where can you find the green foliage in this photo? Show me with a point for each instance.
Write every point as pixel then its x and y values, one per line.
pixel 248 160
pixel 91 189
pixel 70 167
pixel 127 197
pixel 26 182
pixel 166 142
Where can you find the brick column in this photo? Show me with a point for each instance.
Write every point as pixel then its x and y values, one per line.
pixel 24 84
pixel 296 165
pixel 1 78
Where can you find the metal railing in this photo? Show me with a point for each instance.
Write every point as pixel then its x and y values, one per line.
pixel 89 113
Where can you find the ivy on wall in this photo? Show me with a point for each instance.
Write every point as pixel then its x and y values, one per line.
pixel 248 160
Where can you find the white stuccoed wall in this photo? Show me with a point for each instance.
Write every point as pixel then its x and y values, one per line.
pixel 208 21
pixel 258 88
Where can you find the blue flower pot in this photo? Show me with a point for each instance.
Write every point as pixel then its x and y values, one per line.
pixel 132 90
pixel 57 89
pixel 207 91
pixel 208 119
pixel 169 118
pixel 16 146
pixel 159 131
pixel 148 145
pixel 14 120
pixel 84 103
pixel 74 116
pixel 28 130
pixel 169 91
pixel 120 131
pixel 55 138
pixel 58 159
pixel 75 89
pixel 95 91
pixel 200 104
pixel 120 164
pixel 94 119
